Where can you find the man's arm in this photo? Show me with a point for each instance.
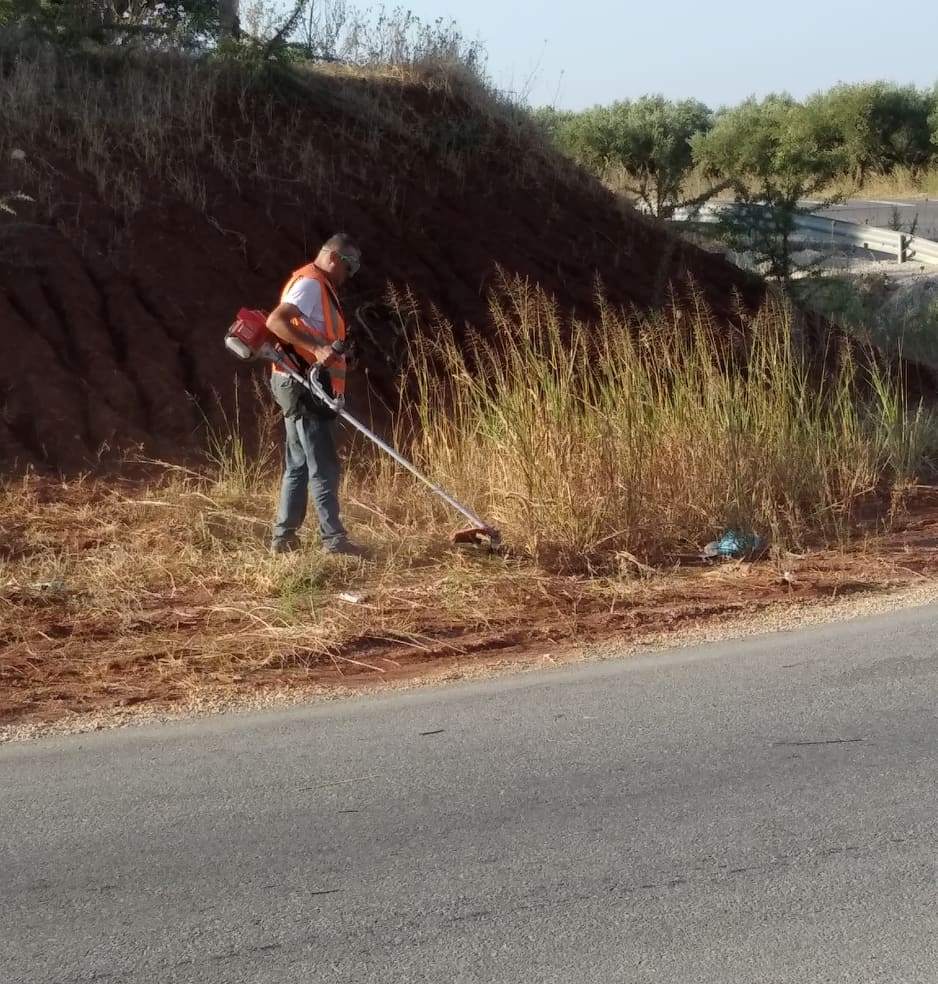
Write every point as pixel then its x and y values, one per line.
pixel 279 324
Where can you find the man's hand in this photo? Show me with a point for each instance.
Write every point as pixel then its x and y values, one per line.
pixel 325 355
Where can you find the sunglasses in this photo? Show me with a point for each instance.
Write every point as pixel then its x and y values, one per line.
pixel 352 262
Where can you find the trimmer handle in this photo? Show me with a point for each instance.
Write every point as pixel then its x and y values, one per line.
pixel 313 382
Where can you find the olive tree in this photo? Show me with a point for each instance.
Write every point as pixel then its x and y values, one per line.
pixel 877 125
pixel 646 140
pixel 905 121
pixel 776 154
pixel 933 123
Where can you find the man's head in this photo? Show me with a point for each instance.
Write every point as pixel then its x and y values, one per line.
pixel 339 258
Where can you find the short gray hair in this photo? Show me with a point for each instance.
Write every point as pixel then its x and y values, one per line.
pixel 341 242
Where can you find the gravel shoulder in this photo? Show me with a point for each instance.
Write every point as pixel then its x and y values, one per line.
pixel 773 618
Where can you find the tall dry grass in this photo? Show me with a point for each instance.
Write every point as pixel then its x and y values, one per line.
pixel 650 434
pixel 595 447
pixel 141 122
pixel 637 434
pixel 901 182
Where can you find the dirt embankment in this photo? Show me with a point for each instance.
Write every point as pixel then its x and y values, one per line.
pixel 167 195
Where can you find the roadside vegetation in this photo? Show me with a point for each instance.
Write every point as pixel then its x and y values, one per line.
pixel 145 97
pixel 649 434
pixel 767 156
pixel 774 159
pixel 608 449
pixel 897 317
pixel 607 461
pixel 854 139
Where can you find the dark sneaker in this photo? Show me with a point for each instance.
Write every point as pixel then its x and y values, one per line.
pixel 345 548
pixel 285 545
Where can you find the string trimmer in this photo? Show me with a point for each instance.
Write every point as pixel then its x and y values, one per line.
pixel 249 339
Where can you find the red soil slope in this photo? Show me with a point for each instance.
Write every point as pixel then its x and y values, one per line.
pixel 112 318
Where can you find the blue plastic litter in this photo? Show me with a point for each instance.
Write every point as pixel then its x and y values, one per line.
pixel 734 543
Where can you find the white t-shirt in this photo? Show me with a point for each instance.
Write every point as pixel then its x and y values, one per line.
pixel 306 294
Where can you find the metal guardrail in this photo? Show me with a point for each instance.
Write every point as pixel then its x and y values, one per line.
pixel 818 228
pixel 921 250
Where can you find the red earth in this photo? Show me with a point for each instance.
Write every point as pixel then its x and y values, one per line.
pixel 112 323
pixel 58 657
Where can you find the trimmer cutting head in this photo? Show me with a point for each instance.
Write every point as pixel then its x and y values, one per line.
pixel 478 536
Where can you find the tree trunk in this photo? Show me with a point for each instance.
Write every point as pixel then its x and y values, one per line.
pixel 91 14
pixel 228 18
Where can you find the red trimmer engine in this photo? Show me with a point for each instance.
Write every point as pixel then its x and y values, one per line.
pixel 248 337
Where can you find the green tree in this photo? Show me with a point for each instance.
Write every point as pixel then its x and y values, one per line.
pixel 553 123
pixel 847 112
pixel 580 135
pixel 776 154
pixel 877 125
pixel 647 140
pixel 933 123
pixel 904 112
pixel 181 22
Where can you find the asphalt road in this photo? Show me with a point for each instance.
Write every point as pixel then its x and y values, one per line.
pixel 922 216
pixel 762 811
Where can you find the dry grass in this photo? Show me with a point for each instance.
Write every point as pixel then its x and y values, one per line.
pixel 900 183
pixel 650 434
pixel 634 443
pixel 150 593
pixel 138 121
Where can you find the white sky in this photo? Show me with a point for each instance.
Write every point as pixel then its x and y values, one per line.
pixel 576 54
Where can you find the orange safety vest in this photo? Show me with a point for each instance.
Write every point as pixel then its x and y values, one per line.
pixel 334 325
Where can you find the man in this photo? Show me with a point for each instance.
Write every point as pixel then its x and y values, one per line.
pixel 309 320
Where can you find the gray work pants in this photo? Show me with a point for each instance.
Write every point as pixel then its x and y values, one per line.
pixel 311 465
